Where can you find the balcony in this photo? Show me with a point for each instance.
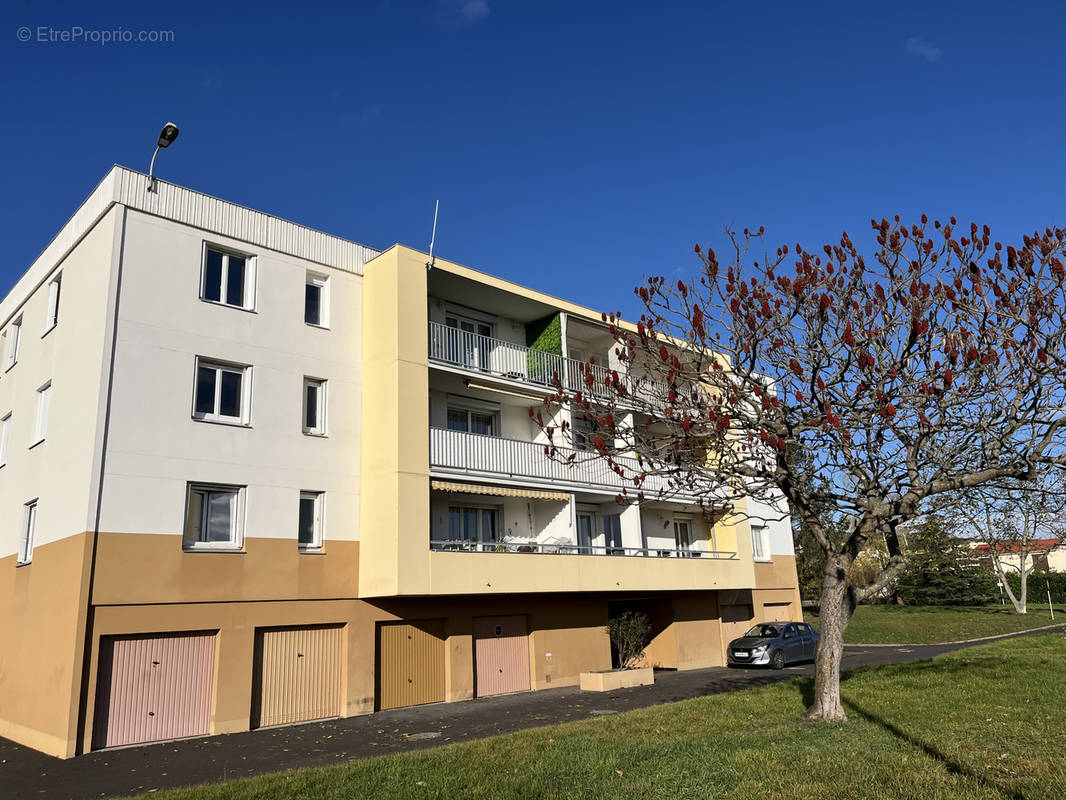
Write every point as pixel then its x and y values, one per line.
pixel 490 356
pixel 470 454
pixel 569 549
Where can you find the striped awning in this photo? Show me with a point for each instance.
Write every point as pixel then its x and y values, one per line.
pixel 498 491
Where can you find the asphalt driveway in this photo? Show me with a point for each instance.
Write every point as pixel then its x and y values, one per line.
pixel 26 773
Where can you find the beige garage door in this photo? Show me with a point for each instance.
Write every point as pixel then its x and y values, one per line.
pixel 501 655
pixel 299 674
pixel 153 687
pixel 410 663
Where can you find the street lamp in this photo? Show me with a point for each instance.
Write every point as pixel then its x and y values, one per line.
pixel 166 138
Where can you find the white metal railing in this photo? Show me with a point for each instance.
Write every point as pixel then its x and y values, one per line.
pixel 494 456
pixel 555 548
pixel 505 359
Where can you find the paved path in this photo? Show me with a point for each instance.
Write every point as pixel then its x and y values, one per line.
pixel 25 773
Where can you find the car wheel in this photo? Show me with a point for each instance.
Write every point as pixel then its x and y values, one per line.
pixel 777 660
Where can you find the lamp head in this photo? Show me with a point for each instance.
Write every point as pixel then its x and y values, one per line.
pixel 168 134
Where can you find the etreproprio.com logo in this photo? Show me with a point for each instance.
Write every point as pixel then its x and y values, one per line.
pixel 76 34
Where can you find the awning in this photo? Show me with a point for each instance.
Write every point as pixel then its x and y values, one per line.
pixel 498 491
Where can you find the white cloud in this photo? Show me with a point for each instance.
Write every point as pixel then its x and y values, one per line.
pixel 921 48
pixel 474 10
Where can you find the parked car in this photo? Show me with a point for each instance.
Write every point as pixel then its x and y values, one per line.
pixel 774 643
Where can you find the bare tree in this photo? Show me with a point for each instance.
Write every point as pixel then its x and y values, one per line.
pixel 1015 522
pixel 917 372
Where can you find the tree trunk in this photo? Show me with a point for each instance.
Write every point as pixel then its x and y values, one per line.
pixel 1023 594
pixel 835 614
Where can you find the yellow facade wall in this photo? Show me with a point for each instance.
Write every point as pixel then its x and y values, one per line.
pixel 42 638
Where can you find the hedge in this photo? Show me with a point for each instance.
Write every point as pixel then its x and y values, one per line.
pixel 1037 586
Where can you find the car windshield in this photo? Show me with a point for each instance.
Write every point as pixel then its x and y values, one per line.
pixel 764 632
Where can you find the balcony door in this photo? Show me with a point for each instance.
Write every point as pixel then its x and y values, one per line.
pixel 469 341
pixel 584 532
pixel 683 536
pixel 612 534
pixel 474 526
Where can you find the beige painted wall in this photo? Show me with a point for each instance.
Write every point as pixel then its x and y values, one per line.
pixel 41 643
pixel 151 568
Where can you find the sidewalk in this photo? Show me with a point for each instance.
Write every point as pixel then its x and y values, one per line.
pixel 26 773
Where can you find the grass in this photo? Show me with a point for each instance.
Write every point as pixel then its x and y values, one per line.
pixel 979 723
pixel 935 624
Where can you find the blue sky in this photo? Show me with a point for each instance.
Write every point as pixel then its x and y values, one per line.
pixel 575 147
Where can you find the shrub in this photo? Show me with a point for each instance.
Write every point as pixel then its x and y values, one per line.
pixel 1037 586
pixel 630 633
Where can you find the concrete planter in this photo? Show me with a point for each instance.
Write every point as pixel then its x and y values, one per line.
pixel 610 679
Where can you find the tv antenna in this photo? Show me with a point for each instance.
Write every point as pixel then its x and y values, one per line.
pixel 433 237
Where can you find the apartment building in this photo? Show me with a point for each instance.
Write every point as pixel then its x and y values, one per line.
pixel 252 474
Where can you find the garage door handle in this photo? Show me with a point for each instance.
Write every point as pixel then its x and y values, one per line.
pixel 151 713
pixel 501 670
pixel 155 663
pixel 299 655
pixel 409 680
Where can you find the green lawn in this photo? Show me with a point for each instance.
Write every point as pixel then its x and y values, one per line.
pixel 934 624
pixel 980 723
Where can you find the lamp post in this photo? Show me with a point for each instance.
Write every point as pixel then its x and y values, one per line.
pixel 166 138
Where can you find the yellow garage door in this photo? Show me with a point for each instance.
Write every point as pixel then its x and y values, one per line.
pixel 410 663
pixel 299 674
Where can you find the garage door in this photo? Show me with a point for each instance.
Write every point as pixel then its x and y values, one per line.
pixel 410 663
pixel 299 674
pixel 501 655
pixel 153 687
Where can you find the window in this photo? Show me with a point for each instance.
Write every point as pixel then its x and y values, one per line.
pixel 682 534
pixel 13 336
pixel 760 543
pixel 228 278
pixel 472 524
pixel 53 302
pixel 314 407
pixel 5 432
pixel 221 392
pixel 310 535
pixel 316 300
pixel 29 528
pixel 40 427
pixel 213 517
pixel 612 534
pixel 482 423
pixel 469 342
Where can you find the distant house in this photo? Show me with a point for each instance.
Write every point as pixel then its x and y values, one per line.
pixel 1044 555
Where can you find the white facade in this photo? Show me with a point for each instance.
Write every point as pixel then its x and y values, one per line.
pixel 117 251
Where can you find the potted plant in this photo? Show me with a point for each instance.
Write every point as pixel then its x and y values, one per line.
pixel 630 633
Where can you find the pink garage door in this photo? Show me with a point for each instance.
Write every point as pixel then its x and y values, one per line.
pixel 501 655
pixel 153 687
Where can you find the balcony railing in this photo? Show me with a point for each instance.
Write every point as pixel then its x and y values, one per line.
pixel 566 549
pixel 494 456
pixel 472 351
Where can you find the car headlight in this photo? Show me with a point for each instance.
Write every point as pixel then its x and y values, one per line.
pixel 758 651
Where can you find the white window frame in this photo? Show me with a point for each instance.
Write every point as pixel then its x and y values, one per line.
pixel 320 429
pixel 248 301
pixel 462 409
pixel 5 435
pixel 14 338
pixel 479 543
pixel 27 533
pixel 54 292
pixel 323 284
pixel 246 391
pixel 236 540
pixel 760 543
pixel 687 547
pixel 40 425
pixel 318 529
